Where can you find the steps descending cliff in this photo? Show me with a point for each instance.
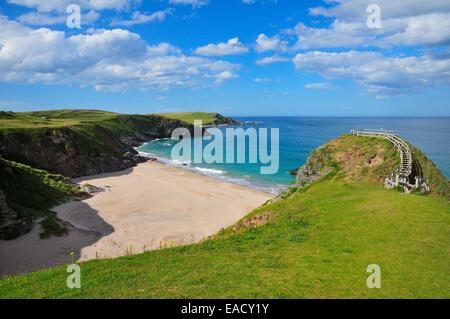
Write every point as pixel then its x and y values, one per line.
pixel 366 160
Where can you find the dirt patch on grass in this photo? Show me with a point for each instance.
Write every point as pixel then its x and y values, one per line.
pixel 254 221
pixel 375 161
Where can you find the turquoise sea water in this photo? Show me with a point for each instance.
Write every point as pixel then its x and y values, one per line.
pixel 300 135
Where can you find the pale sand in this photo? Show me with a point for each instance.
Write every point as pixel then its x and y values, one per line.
pixel 140 208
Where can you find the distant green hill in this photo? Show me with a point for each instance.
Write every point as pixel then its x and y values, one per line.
pixel 316 241
pixel 66 118
pixel 206 118
pixel 51 119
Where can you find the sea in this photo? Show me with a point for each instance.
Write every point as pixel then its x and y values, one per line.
pixel 298 136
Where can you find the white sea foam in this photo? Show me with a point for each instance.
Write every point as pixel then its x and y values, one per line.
pixel 210 171
pixel 218 174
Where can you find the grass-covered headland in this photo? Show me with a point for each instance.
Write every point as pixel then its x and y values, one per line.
pixel 313 241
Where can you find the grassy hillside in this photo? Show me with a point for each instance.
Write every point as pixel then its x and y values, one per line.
pixel 66 118
pixel 369 160
pixel 318 243
pixel 312 242
pixel 31 193
pixel 51 119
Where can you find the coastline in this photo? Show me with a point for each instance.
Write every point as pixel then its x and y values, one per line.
pixel 219 174
pixel 137 210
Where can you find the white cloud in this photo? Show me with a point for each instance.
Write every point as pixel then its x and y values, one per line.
pixel 224 76
pixel 106 59
pixel 320 86
pixel 381 75
pixel 40 18
pixel 264 44
pixel 271 59
pixel 232 47
pixel 419 22
pixel 61 5
pixel 193 3
pixel 355 10
pixel 140 18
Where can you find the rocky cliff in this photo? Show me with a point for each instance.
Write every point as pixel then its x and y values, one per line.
pixel 225 120
pixel 86 148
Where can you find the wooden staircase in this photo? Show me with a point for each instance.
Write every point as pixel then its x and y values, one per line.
pixel 403 175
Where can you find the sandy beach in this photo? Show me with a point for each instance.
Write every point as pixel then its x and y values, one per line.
pixel 137 210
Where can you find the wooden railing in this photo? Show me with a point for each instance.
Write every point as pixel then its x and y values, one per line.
pixel 406 163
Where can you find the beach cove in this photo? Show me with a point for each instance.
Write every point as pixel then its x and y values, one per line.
pixel 138 209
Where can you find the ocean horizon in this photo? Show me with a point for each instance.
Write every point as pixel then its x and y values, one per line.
pixel 299 136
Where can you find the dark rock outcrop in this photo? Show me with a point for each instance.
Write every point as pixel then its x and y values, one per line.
pixel 224 120
pixel 313 170
pixel 10 224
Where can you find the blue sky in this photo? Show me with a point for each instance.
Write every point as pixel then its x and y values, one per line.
pixel 236 57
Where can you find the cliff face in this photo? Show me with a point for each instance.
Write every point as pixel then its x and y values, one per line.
pixel 224 120
pixel 88 148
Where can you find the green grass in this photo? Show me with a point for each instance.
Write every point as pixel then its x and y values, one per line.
pixel 318 243
pixel 51 119
pixel 69 118
pixel 190 117
pixel 31 193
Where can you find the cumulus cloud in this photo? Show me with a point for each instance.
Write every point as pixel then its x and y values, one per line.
pixel 224 76
pixel 105 59
pixel 140 18
pixel 231 47
pixel 264 44
pixel 40 18
pixel 379 74
pixel 418 22
pixel 271 59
